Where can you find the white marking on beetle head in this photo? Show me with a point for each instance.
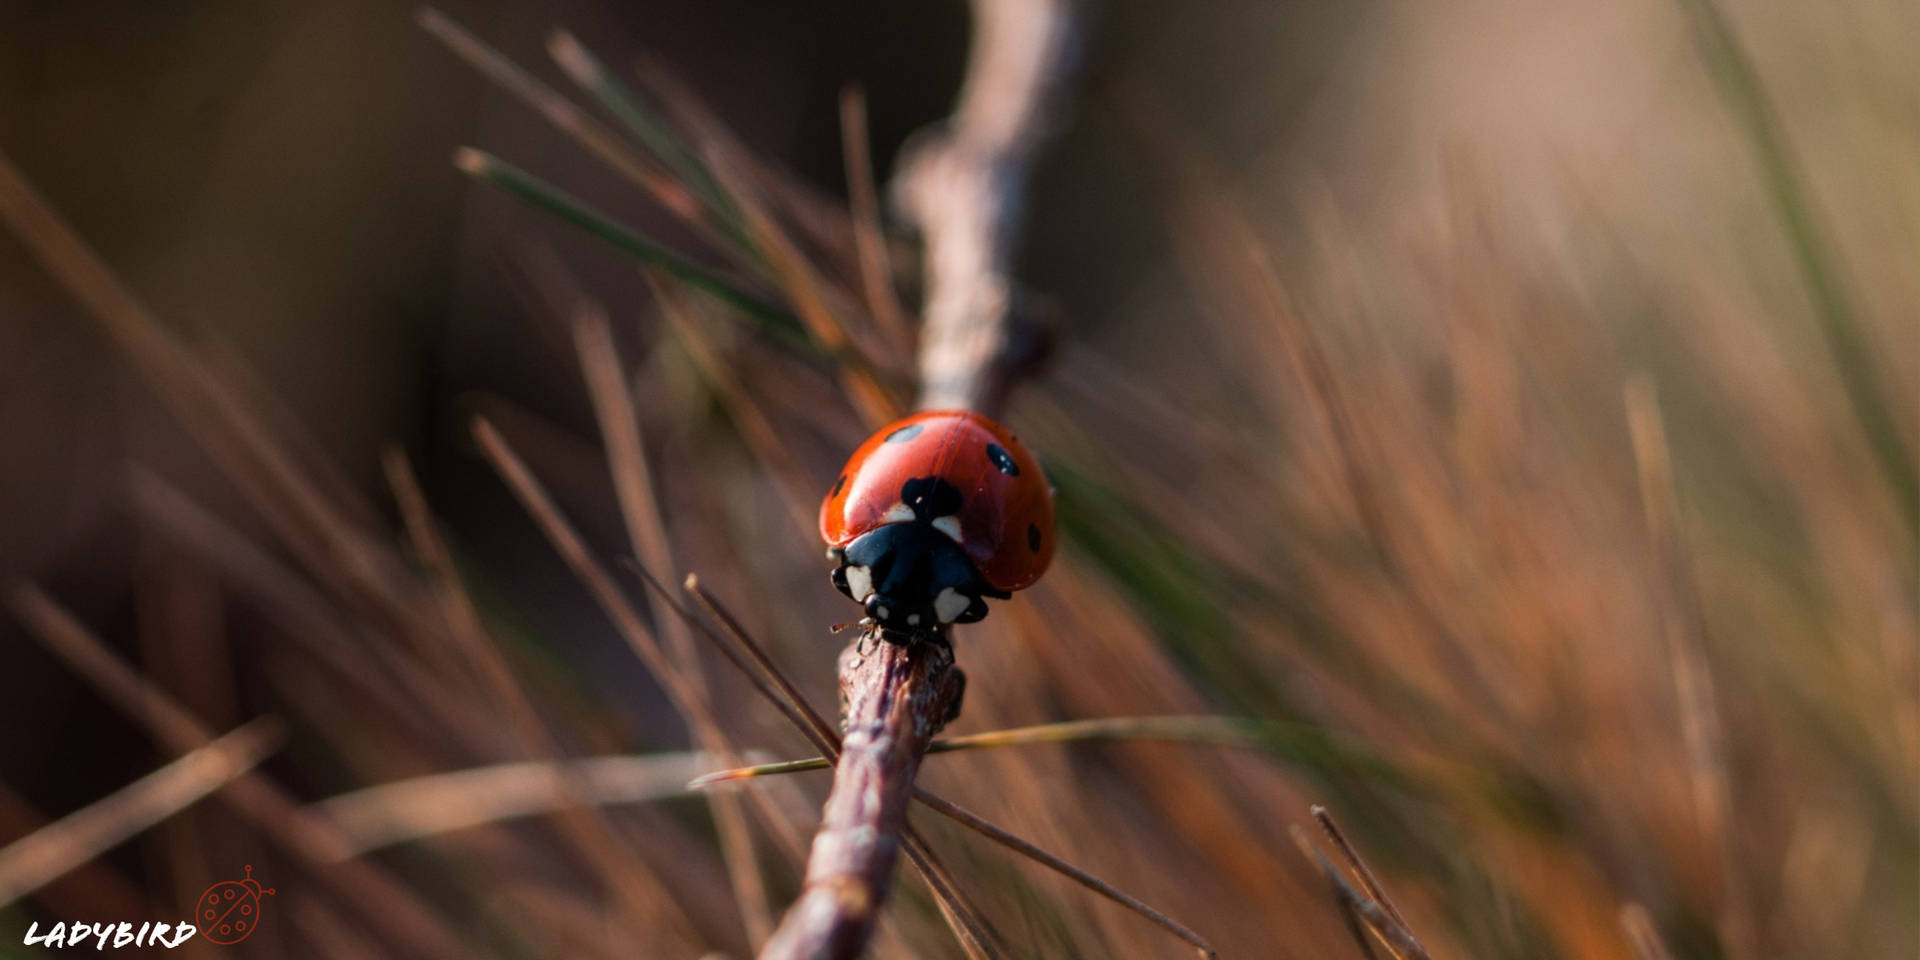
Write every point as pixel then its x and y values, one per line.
pixel 913 619
pixel 898 513
pixel 950 604
pixel 949 525
pixel 881 612
pixel 859 582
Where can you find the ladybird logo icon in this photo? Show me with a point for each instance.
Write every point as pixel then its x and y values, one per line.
pixel 230 909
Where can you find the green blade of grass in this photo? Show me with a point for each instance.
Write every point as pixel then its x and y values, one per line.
pixel 1739 83
pixel 551 199
pixel 646 125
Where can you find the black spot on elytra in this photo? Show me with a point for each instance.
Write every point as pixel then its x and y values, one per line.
pixel 1033 538
pixel 1002 459
pixel 904 434
pixel 838 485
pixel 931 498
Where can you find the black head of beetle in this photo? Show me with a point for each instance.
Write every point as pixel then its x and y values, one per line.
pixel 912 578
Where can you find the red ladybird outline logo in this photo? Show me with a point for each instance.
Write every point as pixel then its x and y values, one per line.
pixel 229 911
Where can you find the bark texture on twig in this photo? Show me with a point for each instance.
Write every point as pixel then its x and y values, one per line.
pixel 964 187
pixel 898 697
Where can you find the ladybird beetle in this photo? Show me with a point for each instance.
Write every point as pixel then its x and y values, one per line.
pixel 934 514
pixel 230 909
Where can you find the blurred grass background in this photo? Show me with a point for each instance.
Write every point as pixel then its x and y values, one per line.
pixel 1471 393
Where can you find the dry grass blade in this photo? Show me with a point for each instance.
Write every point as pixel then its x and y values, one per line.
pixel 310 620
pixel 573 549
pixel 813 298
pixel 768 444
pixel 394 908
pixel 612 858
pixel 1692 670
pixel 1368 882
pixel 90 889
pixel 821 221
pixel 1808 238
pixel 407 810
pixel 1217 731
pixel 991 831
pixel 230 433
pixel 1645 940
pixel 804 288
pixel 1361 478
pixel 586 70
pixel 562 113
pixel 646 531
pixel 1393 935
pixel 50 852
pixel 627 463
pixel 870 242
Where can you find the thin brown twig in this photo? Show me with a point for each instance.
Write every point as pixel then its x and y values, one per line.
pixel 964 187
pixel 965 192
pixel 961 915
pixel 801 712
pixel 964 918
pixel 896 697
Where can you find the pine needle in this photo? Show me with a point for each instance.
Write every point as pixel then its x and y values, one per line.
pixel 1219 731
pixel 51 851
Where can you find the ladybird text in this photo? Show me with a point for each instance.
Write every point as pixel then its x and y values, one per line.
pixel 101 935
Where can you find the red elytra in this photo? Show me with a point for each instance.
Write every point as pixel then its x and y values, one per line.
pixel 1006 511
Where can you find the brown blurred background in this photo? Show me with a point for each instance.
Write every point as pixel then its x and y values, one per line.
pixel 1497 221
